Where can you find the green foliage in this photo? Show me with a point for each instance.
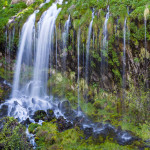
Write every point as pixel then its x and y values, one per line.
pixel 32 127
pixel 7 13
pixel 47 137
pixel 13 136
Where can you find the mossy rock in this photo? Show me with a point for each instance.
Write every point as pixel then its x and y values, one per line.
pixel 39 115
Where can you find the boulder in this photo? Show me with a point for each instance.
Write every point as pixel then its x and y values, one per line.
pixel 3 111
pixel 124 138
pixel 39 115
pixel 88 131
pixel 50 115
pixel 26 122
pixel 63 125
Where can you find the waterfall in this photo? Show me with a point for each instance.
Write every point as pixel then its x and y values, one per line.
pixel 104 51
pixel 24 56
pixel 65 38
pixel 32 66
pixel 78 70
pixel 124 57
pixel 87 50
pixel 56 47
pixel 44 51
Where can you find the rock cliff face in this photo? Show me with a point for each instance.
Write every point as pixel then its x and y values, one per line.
pixel 28 2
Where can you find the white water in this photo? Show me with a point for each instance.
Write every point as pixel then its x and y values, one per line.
pixel 65 39
pixel 124 56
pixel 56 46
pixel 24 53
pixel 78 70
pixel 104 51
pixel 44 51
pixel 87 50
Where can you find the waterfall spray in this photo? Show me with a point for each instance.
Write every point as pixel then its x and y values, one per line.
pixel 87 53
pixel 25 52
pixel 104 51
pixel 44 51
pixel 56 46
pixel 65 38
pixel 124 58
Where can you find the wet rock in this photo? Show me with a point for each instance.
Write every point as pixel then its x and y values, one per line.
pixel 5 90
pixel 1 80
pixel 94 77
pixel 78 121
pixel 99 137
pixel 63 125
pixel 70 115
pixel 39 115
pixel 50 115
pixel 33 101
pixel 109 130
pixel 147 143
pixel 15 103
pixel 124 138
pixel 3 111
pixel 88 131
pixel 26 122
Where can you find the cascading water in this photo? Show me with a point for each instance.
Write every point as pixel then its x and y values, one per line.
pixel 23 105
pixel 44 51
pixel 24 57
pixel 104 51
pixel 78 70
pixel 56 47
pixel 124 57
pixel 87 52
pixel 65 38
pixel 26 96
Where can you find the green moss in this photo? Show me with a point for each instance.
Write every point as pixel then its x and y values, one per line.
pixel 32 127
pixel 12 136
pixel 48 137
